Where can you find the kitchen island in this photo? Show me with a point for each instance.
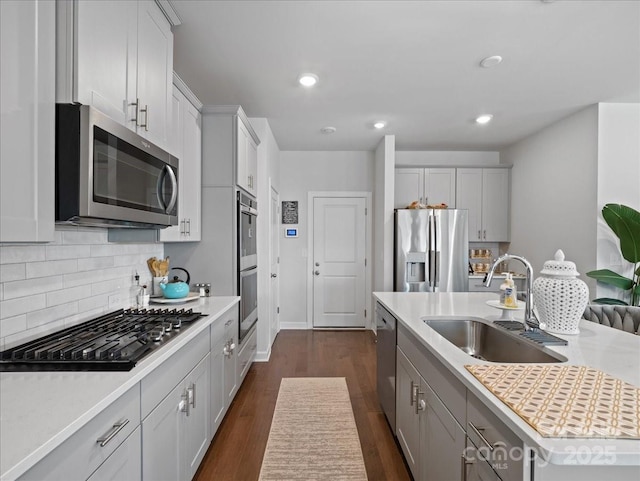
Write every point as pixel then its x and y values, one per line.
pixel 43 413
pixel 609 350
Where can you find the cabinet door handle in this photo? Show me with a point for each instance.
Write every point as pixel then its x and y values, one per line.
pixel 482 438
pixel 184 403
pixel 414 393
pixel 484 234
pixel 421 404
pixel 463 467
pixel 146 118
pixel 104 440
pixel 182 226
pixel 479 236
pixel 135 104
pixel 192 394
pixel 188 227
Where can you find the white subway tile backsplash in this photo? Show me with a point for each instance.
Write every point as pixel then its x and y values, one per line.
pixel 22 305
pixel 13 325
pixel 94 302
pixel 12 254
pixel 57 252
pixel 12 272
pixel 31 287
pixel 94 263
pixel 51 268
pixel 64 296
pixel 93 236
pixel 44 287
pixel 50 314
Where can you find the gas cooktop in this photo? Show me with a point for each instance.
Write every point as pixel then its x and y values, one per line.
pixel 113 342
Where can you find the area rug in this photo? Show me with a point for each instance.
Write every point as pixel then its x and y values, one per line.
pixel 313 434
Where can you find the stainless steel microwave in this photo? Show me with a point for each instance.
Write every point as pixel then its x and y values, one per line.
pixel 109 176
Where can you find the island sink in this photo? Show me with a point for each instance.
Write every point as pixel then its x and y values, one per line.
pixel 491 343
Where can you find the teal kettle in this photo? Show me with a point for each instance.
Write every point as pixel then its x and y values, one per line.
pixel 176 288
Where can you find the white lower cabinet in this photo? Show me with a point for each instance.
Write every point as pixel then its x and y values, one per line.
pixel 125 464
pixel 247 354
pixel 230 352
pixel 218 406
pixel 94 444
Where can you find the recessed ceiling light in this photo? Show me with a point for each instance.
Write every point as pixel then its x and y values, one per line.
pixel 328 130
pixel 491 61
pixel 381 124
pixel 484 119
pixel 308 79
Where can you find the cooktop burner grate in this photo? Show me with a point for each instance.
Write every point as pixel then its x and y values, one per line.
pixel 113 342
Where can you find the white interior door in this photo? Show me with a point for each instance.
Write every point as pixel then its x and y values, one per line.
pixel 339 246
pixel 274 257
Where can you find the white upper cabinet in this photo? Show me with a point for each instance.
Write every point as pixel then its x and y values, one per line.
pixel 247 158
pixel 485 194
pixel 27 129
pixel 428 186
pixel 118 57
pixel 155 73
pixel 185 142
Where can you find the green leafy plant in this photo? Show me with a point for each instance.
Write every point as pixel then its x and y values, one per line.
pixel 625 223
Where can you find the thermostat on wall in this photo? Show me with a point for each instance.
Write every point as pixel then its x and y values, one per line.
pixel 291 232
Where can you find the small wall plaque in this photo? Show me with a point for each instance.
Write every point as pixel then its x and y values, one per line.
pixel 289 211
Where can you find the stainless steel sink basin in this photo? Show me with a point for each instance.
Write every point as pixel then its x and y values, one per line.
pixel 491 343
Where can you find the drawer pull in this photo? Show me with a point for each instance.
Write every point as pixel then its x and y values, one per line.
pixel 482 438
pixel 104 440
pixel 414 393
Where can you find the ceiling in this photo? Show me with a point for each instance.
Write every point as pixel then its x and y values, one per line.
pixel 414 64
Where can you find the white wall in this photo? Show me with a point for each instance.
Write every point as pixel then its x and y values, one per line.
pixel 618 180
pixel 446 158
pixel 554 182
pixel 45 287
pixel 300 173
pixel 383 214
pixel 268 175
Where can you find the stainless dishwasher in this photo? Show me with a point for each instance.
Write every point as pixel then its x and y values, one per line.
pixel 386 363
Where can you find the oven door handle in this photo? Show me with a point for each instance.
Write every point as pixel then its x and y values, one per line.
pixel 174 189
pixel 245 209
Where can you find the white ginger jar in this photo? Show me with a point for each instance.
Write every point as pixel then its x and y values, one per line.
pixel 559 296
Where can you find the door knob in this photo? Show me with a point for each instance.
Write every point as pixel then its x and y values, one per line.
pixel 274 275
pixel 317 273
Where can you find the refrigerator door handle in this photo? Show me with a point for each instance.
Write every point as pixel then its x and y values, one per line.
pixel 436 266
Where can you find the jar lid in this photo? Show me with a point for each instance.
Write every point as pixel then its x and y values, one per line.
pixel 559 267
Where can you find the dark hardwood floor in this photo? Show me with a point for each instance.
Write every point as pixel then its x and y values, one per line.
pixel 237 449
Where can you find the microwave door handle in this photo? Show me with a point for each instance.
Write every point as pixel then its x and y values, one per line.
pixel 174 189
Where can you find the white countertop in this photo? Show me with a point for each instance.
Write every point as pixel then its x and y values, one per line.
pixel 609 350
pixel 40 410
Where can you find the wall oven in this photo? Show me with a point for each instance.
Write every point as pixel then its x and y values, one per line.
pixel 247 262
pixel 247 216
pixel 107 175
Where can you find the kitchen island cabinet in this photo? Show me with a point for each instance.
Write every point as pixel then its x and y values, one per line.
pixel 27 103
pixel 529 456
pixel 118 409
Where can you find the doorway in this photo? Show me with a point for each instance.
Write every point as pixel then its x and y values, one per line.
pixel 274 265
pixel 339 245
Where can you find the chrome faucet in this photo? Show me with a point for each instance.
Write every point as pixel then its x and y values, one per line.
pixel 529 318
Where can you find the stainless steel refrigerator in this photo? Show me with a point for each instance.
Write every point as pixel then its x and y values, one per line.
pixel 431 250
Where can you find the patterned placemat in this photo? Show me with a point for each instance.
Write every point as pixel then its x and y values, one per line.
pixel 565 401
